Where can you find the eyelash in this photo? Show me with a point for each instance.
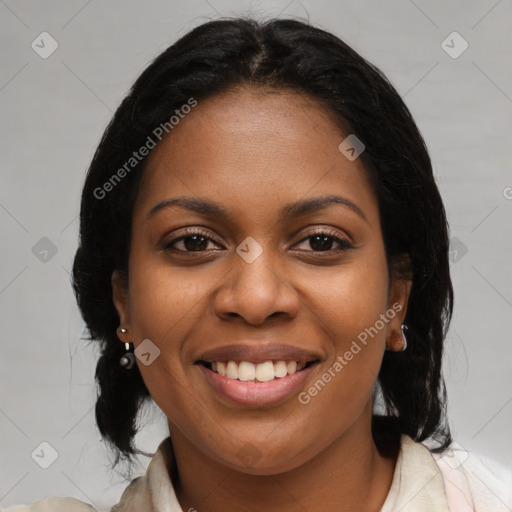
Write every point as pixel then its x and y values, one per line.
pixel 344 244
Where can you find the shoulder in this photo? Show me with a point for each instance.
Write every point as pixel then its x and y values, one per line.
pixel 477 481
pixel 53 504
pixel 455 480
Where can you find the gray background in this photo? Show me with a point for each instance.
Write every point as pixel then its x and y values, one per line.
pixel 53 113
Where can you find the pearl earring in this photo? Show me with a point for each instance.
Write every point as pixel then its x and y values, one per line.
pixel 127 360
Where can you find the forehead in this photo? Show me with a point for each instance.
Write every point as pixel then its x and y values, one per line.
pixel 255 148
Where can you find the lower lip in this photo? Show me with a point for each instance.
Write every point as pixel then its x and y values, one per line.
pixel 257 394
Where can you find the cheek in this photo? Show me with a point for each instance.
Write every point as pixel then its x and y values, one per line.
pixel 351 305
pixel 165 307
pixel 165 302
pixel 350 299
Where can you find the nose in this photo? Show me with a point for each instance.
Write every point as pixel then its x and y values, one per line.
pixel 255 292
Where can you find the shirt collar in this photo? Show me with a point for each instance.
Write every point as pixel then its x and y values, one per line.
pixel 417 484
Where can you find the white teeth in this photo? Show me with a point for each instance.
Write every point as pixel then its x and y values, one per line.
pixel 291 367
pixel 262 372
pixel 246 371
pixel 280 369
pixel 232 370
pixel 265 372
pixel 221 368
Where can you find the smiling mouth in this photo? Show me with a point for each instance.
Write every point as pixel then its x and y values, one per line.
pixel 246 371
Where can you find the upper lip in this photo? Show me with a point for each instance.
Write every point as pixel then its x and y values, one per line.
pixel 258 353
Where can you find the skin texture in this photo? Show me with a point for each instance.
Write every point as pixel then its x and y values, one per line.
pixel 254 151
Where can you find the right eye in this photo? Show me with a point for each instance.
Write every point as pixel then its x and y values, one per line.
pixel 193 241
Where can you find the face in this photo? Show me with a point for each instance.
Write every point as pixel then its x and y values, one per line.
pixel 258 287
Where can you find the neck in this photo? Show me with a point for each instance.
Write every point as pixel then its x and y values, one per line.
pixel 349 474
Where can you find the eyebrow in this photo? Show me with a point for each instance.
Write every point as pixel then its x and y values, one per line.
pixel 296 209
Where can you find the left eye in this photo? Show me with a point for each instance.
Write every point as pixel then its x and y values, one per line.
pixel 323 242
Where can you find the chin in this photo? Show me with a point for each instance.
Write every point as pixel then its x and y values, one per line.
pixel 262 460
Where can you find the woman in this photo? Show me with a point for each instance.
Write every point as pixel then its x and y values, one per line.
pixel 264 253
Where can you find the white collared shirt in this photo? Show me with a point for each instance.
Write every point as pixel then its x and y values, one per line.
pixel 457 481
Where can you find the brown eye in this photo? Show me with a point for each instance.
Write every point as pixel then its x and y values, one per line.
pixel 195 243
pixel 324 242
pixel 192 241
pixel 321 242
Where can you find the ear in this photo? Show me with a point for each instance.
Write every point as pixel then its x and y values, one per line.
pixel 121 303
pixel 398 301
